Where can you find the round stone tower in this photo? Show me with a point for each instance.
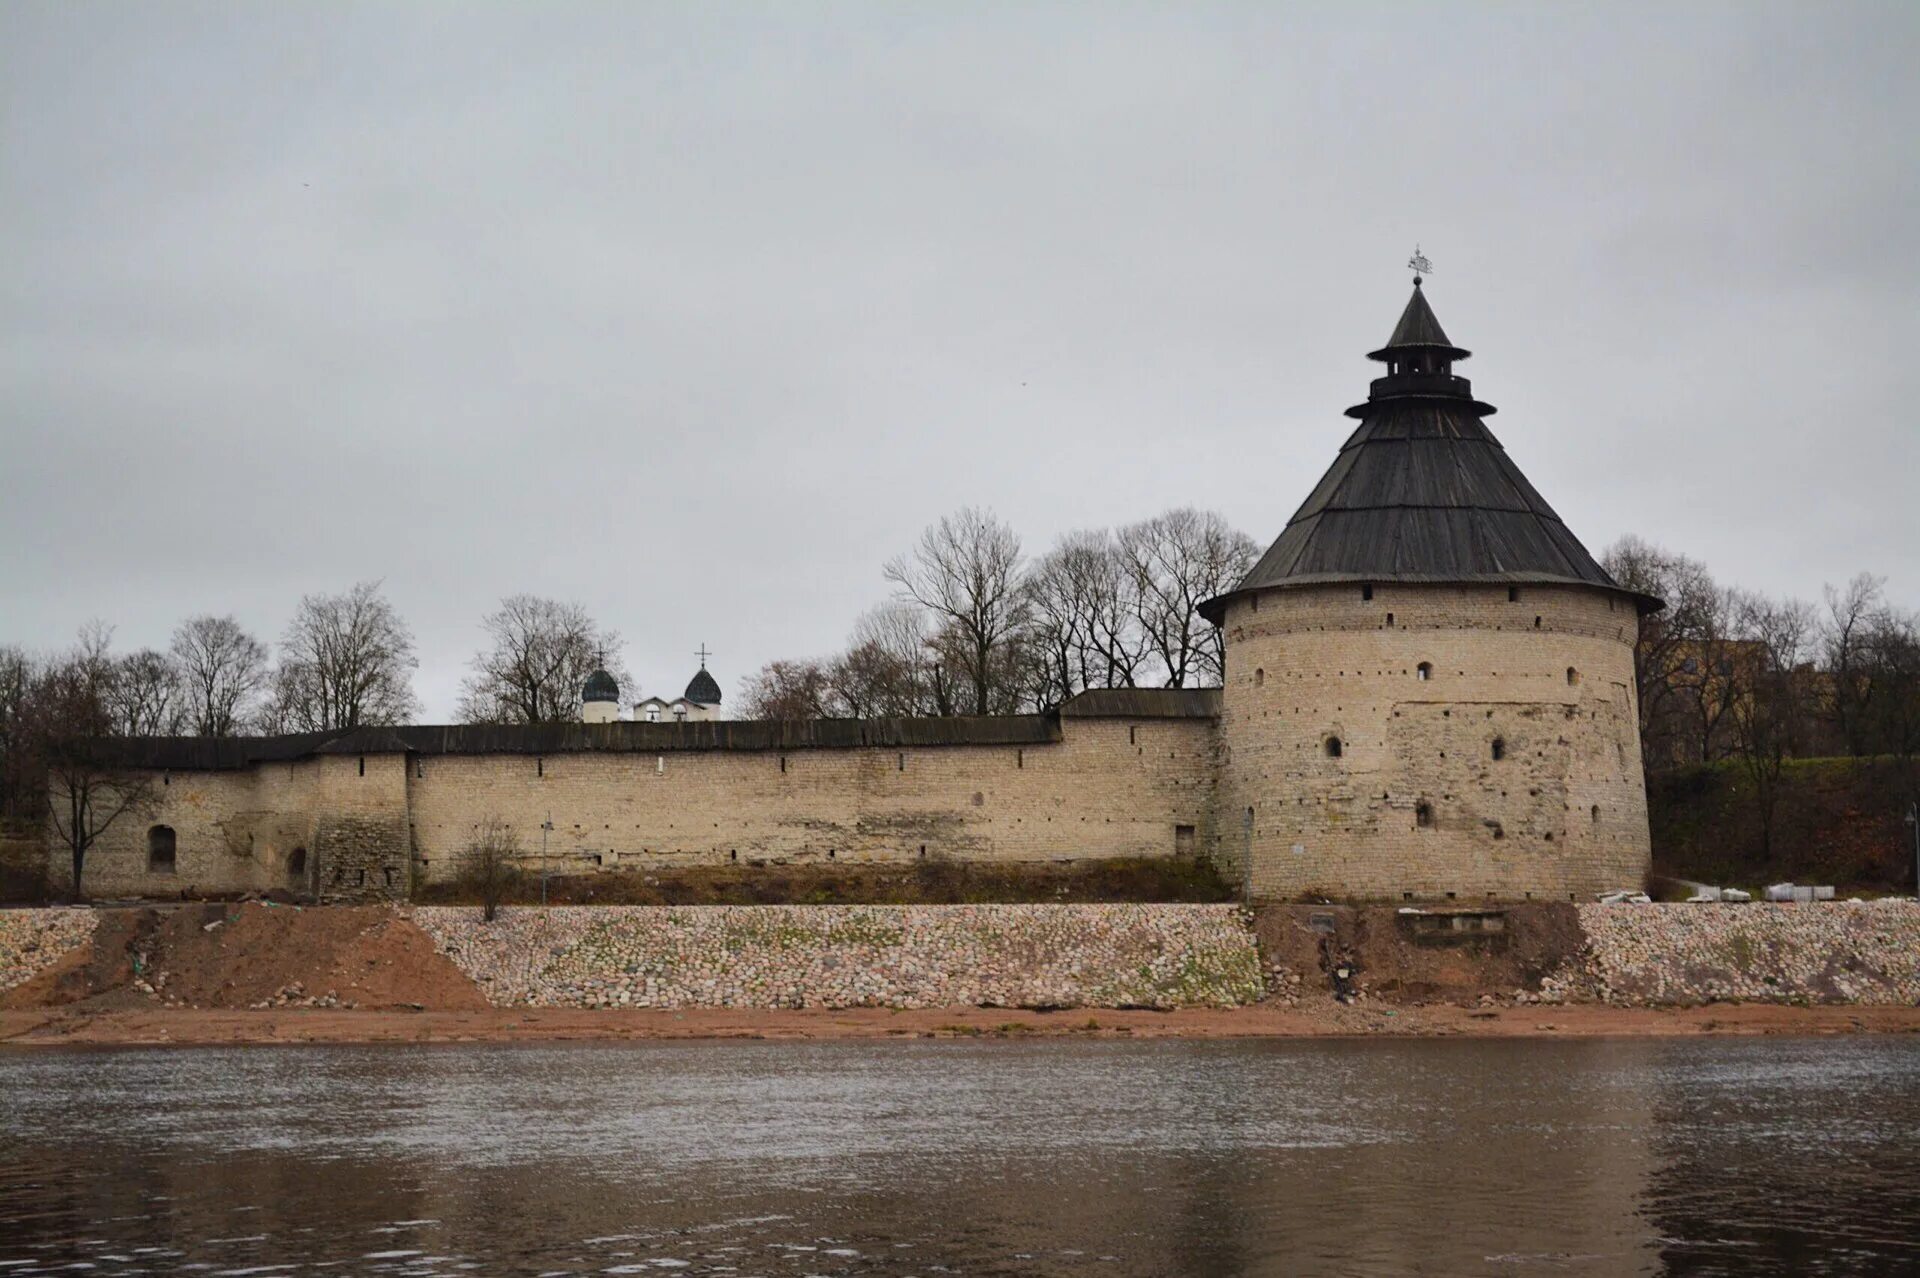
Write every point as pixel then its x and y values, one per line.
pixel 600 698
pixel 1430 684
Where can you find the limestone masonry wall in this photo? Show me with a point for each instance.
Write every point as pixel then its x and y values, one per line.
pixel 352 828
pixel 1387 742
pixel 1360 729
pixel 1109 788
pixel 233 831
pixel 855 956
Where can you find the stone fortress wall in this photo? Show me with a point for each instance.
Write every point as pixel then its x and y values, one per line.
pixel 351 827
pixel 1415 804
pixel 1429 695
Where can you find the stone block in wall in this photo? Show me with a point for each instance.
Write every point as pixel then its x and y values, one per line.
pixel 361 859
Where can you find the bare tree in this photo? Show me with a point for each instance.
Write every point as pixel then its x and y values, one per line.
pixel 23 788
pixel 1086 604
pixel 1845 638
pixel 966 571
pixel 1690 662
pixel 886 668
pixel 71 723
pixel 542 652
pixel 346 660
pixel 1892 662
pixel 789 691
pixel 1769 714
pixel 145 697
pixel 490 865
pixel 1181 559
pixel 223 669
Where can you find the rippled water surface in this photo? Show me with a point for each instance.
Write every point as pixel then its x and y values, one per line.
pixel 1609 1157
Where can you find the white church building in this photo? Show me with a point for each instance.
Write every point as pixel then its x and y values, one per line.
pixel 600 700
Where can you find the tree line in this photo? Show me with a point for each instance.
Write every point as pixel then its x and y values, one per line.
pixel 974 627
pixel 1730 674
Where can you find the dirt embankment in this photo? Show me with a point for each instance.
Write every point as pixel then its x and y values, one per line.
pixel 251 956
pixel 1392 958
pixel 1319 1017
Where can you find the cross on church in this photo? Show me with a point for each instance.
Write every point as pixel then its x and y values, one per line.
pixel 1419 264
pixel 703 654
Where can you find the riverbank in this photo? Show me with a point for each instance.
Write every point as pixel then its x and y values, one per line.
pixel 259 973
pixel 201 1027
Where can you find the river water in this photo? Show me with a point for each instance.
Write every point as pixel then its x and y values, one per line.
pixel 1781 1156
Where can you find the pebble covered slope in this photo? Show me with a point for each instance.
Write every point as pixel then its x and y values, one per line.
pixel 1829 952
pixel 855 956
pixel 32 940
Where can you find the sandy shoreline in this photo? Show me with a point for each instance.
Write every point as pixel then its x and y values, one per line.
pixel 53 1027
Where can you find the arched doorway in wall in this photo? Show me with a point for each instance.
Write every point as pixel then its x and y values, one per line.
pixel 161 848
pixel 297 868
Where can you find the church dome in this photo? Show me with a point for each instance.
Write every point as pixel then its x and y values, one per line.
pixel 702 690
pixel 600 686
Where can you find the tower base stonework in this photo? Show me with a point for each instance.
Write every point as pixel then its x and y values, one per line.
pixel 1507 768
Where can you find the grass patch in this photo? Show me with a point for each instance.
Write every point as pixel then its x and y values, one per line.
pixel 1112 880
pixel 1838 821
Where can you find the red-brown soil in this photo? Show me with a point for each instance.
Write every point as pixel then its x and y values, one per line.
pixel 1390 963
pixel 238 956
pixel 1319 1018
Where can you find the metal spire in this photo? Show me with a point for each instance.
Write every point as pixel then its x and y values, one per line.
pixel 1419 265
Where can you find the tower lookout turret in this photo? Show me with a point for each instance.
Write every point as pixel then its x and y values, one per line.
pixel 1430 684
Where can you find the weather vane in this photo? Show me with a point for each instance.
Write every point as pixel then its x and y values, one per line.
pixel 1419 264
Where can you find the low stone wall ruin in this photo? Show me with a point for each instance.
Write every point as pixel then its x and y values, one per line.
pixel 855 956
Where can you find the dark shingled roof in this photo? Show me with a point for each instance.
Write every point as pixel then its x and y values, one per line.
pixel 600 686
pixel 1418 326
pixel 1422 492
pixel 200 754
pixel 702 690
pixel 1143 703
pixel 195 754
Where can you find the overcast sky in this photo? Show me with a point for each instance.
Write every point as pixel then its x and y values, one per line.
pixel 695 314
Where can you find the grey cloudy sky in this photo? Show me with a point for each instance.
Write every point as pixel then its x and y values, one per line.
pixel 697 313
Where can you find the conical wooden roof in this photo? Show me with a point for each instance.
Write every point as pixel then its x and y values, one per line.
pixel 1422 491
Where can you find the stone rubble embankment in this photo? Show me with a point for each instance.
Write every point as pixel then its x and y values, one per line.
pixel 1829 952
pixel 33 940
pixel 1026 956
pixel 828 956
